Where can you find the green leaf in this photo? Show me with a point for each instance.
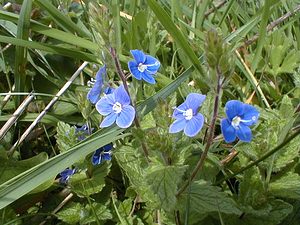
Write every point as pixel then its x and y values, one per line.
pixel 182 42
pixel 84 186
pixel 21 52
pixel 66 136
pixel 71 214
pixel 62 20
pixel 287 186
pixel 96 211
pixel 204 198
pixel 163 181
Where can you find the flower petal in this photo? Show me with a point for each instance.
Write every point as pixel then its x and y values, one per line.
pixel 104 107
pixel 121 96
pixel 109 120
pixel 250 115
pixel 126 116
pixel 152 64
pixel 148 78
pixel 138 55
pixel 94 94
pixel 244 133
pixel 133 68
pixel 106 156
pixel 107 147
pixel 194 125
pixel 97 157
pixel 177 126
pixel 100 74
pixel 234 108
pixel 194 101
pixel 228 131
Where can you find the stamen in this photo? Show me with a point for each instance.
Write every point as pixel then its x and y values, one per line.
pixel 188 114
pixel 142 67
pixel 236 122
pixel 117 107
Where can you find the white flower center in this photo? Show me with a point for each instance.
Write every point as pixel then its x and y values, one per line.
pixel 188 114
pixel 142 67
pixel 236 122
pixel 117 107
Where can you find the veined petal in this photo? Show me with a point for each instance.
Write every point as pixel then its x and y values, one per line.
pixel 104 107
pixel 194 125
pixel 178 112
pixel 148 78
pixel 100 74
pixel 234 108
pixel 177 126
pixel 106 156
pixel 109 120
pixel 194 101
pixel 228 131
pixel 94 94
pixel 244 133
pixel 138 55
pixel 107 147
pixel 250 115
pixel 133 68
pixel 126 117
pixel 152 64
pixel 121 96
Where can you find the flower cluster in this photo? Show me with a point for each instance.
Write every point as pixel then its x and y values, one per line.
pixel 115 106
pixel 102 154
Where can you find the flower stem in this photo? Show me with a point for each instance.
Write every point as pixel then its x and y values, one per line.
pixel 211 132
pixel 123 78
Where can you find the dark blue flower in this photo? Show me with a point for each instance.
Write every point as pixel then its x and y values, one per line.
pixel 116 107
pixel 187 117
pixel 239 117
pixel 65 175
pixel 97 84
pixel 83 131
pixel 143 66
pixel 102 154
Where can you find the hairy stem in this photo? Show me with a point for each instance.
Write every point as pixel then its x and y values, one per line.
pixel 123 78
pixel 210 137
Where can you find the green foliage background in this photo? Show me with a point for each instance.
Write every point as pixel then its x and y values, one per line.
pixel 256 45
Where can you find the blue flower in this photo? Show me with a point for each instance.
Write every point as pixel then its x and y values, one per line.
pixel 102 154
pixel 239 117
pixel 143 66
pixel 187 117
pixel 94 94
pixel 65 175
pixel 116 107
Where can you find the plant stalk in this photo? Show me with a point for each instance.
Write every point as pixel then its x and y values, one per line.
pixel 201 161
pixel 123 78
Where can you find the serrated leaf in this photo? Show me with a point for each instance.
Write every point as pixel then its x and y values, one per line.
pixel 71 214
pixel 84 186
pixel 286 109
pixel 101 211
pixel 163 181
pixel 270 214
pixel 205 198
pixel 287 186
pixel 66 136
pixel 251 188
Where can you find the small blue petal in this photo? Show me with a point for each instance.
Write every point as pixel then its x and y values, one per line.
pixel 250 115
pixel 106 156
pixel 177 126
pixel 133 68
pixel 152 64
pixel 194 101
pixel 194 125
pixel 138 55
pixel 148 78
pixel 108 90
pixel 66 174
pixel 126 117
pixel 94 94
pixel 109 120
pixel 228 131
pixel 121 96
pixel 107 147
pixel 104 107
pixel 97 157
pixel 244 133
pixel 234 108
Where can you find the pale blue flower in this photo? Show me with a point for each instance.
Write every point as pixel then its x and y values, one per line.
pixel 143 66
pixel 239 117
pixel 97 84
pixel 187 117
pixel 116 107
pixel 102 154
